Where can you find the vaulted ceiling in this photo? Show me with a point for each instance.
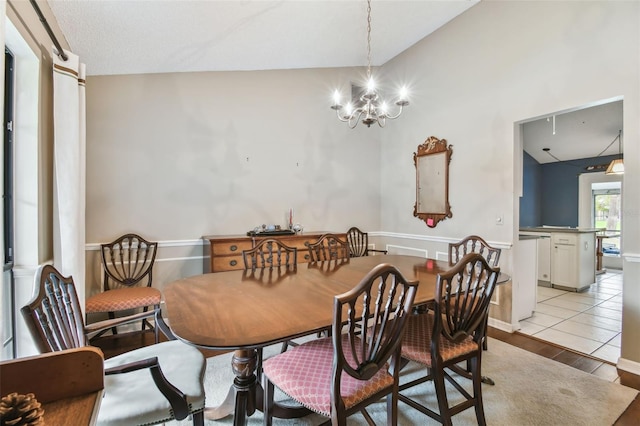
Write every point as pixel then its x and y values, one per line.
pixel 146 36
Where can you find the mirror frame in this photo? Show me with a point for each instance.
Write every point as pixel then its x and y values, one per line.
pixel 432 146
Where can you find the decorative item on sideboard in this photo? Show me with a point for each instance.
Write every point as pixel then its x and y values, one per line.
pixel 269 230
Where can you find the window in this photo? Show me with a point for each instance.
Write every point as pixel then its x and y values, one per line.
pixel 8 284
pixel 606 214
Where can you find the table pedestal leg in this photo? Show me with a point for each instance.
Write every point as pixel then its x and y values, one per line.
pixel 243 390
pixel 245 396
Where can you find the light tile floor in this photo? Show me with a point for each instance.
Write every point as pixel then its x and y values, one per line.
pixel 588 322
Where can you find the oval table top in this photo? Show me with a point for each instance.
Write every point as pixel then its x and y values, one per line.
pixel 250 309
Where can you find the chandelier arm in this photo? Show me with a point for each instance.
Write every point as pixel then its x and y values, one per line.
pixel 341 117
pixel 353 116
pixel 382 120
pixel 393 117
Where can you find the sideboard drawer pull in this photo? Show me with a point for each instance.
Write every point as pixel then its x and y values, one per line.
pixel 306 257
pixel 234 247
pixel 233 262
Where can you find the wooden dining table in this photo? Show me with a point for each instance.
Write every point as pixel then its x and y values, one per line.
pixel 247 310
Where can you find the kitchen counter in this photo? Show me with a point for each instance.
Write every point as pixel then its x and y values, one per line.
pixel 566 256
pixel 560 229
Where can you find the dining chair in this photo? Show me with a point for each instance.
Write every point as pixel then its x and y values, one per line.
pixel 269 253
pixel 172 388
pixel 450 334
pixel 127 263
pixel 358 365
pixel 328 247
pixel 359 243
pixel 475 244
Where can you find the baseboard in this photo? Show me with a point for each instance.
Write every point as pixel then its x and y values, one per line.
pixel 501 325
pixel 629 372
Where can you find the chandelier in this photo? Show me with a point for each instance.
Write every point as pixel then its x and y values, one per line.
pixel 370 107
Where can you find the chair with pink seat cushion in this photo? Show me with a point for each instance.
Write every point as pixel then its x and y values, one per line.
pixel 450 334
pixel 128 271
pixel 358 365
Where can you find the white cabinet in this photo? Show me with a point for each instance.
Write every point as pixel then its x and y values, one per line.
pixel 525 280
pixel 572 260
pixel 544 258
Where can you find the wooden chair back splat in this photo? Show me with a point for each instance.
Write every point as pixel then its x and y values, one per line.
pixel 473 244
pixel 270 253
pixel 328 247
pixel 359 243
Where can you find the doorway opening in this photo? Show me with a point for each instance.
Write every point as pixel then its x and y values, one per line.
pixel 563 186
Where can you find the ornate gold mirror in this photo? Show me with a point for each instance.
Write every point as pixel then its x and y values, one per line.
pixel 432 181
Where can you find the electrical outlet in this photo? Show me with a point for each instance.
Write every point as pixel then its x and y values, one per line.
pixel 499 220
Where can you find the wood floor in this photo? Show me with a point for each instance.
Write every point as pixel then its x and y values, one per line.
pixel 631 417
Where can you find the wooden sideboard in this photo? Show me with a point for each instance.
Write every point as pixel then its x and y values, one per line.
pixel 224 252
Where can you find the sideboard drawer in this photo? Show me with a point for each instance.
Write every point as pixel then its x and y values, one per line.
pixel 227 263
pixel 221 248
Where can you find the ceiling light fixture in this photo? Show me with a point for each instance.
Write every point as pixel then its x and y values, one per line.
pixel 616 167
pixel 369 104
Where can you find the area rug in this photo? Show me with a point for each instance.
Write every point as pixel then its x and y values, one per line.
pixel 530 390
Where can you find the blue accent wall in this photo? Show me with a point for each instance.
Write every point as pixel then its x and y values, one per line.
pixel 530 203
pixel 550 191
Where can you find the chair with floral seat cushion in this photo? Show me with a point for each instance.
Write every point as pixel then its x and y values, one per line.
pixel 359 243
pixel 450 334
pixel 150 385
pixel 474 244
pixel 358 365
pixel 328 247
pixel 127 263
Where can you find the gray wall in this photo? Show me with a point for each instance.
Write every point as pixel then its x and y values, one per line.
pixel 167 154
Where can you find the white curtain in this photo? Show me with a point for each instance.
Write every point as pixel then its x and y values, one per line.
pixel 69 167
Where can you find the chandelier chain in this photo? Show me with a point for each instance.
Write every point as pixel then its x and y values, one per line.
pixel 368 39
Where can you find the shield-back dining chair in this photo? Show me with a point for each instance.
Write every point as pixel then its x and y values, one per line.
pixel 359 243
pixel 127 263
pixel 328 247
pixel 475 244
pixel 146 386
pixel 450 334
pixel 358 365
pixel 270 254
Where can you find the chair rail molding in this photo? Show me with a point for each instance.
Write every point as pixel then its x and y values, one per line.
pixel 631 257
pixel 436 239
pixel 161 244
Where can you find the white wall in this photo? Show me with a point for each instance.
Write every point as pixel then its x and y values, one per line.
pixel 495 65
